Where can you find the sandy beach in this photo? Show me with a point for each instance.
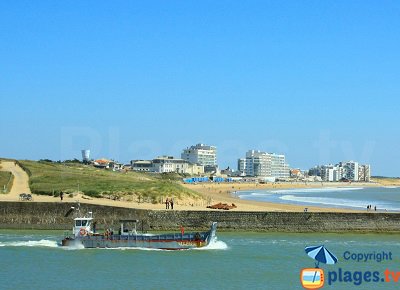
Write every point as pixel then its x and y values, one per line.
pixel 225 193
pixel 210 193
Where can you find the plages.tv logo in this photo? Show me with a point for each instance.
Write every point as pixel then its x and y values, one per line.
pixel 314 278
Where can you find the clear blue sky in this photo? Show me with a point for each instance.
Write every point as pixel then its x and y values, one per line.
pixel 315 80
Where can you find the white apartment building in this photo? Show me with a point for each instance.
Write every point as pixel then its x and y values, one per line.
pixel 364 173
pixel 278 166
pixel 201 154
pixel 330 173
pixel 258 163
pixel 165 164
pixel 242 166
pixel 170 164
pixel 142 165
pixel 349 170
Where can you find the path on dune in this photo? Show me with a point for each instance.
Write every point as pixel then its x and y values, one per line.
pixel 21 180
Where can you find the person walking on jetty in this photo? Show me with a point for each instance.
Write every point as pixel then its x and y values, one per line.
pixel 167 203
pixel 172 203
pixel 61 195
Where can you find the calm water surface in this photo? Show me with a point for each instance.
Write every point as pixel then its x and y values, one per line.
pixel 33 260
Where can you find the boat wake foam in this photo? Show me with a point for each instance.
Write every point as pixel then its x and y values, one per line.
pixel 214 245
pixel 76 246
pixel 41 243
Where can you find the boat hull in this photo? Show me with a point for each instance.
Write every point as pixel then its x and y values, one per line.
pixel 116 242
pixel 161 241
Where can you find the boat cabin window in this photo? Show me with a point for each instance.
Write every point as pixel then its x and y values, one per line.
pixel 81 223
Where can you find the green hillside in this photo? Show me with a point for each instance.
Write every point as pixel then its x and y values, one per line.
pixel 386 181
pixel 50 178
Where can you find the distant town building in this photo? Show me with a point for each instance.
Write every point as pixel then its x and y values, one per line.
pixel 279 168
pixel 349 170
pixel 165 164
pixel 228 171
pixel 170 164
pixel 201 154
pixel 214 169
pixel 315 171
pixel 102 163
pixel 364 173
pixel 296 173
pixel 242 166
pixel 330 173
pixel 108 164
pixel 142 165
pixel 263 164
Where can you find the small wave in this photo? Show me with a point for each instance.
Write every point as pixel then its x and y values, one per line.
pixel 324 201
pixel 261 194
pixel 41 243
pixel 256 194
pixel 312 190
pixel 337 202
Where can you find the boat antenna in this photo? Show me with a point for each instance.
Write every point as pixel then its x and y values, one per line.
pixel 78 208
pixel 69 211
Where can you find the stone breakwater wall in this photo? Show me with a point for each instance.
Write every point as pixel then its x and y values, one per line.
pixel 42 215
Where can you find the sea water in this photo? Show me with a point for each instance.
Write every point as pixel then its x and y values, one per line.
pixel 236 260
pixel 386 199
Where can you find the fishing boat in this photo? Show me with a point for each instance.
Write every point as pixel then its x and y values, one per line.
pixel 84 234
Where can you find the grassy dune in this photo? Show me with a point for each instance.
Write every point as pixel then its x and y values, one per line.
pixel 51 178
pixel 387 181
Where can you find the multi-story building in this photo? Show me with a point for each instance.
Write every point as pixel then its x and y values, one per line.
pixel 278 166
pixel 349 170
pixel 242 166
pixel 142 165
pixel 201 154
pixel 258 163
pixel 330 173
pixel 364 173
pixel 165 164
